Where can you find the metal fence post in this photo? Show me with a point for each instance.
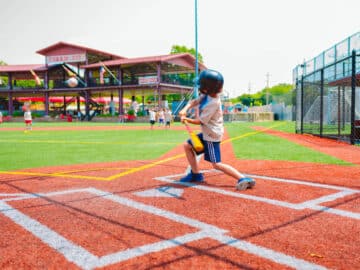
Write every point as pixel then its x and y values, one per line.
pixel 302 106
pixel 353 88
pixel 321 101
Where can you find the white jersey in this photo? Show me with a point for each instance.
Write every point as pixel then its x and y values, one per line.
pixel 161 115
pixel 152 115
pixel 27 116
pixel 211 118
pixel 168 116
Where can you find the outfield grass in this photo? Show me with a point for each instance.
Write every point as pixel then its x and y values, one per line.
pixel 40 148
pixel 261 146
pixel 47 148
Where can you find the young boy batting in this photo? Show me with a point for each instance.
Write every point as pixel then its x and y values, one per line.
pixel 212 129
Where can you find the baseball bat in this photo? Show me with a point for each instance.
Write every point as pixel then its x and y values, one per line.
pixel 197 144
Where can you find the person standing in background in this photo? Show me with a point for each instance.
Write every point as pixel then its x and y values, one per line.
pixel 152 118
pixel 27 119
pixel 168 118
pixel 161 116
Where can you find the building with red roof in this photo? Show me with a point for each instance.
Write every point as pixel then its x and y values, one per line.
pixel 71 70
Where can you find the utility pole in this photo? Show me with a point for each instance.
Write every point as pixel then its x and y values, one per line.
pixel 249 88
pixel 267 88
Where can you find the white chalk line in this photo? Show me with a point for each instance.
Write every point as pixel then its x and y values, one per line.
pixel 86 260
pixel 311 204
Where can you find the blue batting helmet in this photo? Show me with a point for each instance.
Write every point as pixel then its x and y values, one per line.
pixel 210 80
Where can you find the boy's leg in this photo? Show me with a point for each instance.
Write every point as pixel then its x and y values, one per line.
pixel 227 169
pixel 194 174
pixel 243 182
pixel 191 158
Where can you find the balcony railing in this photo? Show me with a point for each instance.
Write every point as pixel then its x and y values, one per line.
pixel 174 79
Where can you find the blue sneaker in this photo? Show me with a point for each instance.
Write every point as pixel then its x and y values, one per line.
pixel 192 177
pixel 245 183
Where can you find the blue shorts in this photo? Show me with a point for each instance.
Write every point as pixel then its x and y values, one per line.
pixel 211 150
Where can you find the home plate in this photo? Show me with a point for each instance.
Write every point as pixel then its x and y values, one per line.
pixel 161 192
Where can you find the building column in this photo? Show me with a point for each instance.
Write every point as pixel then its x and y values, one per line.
pixel 10 97
pixel 46 103
pixel 10 104
pixel 10 84
pixel 78 103
pixel 46 80
pixel 119 75
pixel 121 102
pixel 158 83
pixel 87 108
pixel 143 103
pixel 86 78
pixel 64 105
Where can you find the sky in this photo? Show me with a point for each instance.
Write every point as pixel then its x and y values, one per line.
pixel 243 39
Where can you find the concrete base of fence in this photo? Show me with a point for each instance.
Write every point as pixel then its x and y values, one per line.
pixel 249 116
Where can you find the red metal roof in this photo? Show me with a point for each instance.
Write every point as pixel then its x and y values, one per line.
pixel 22 68
pixel 62 44
pixel 183 59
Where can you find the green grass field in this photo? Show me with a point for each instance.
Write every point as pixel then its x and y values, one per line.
pixel 40 148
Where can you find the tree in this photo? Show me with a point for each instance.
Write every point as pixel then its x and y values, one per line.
pixel 184 49
pixel 3 80
pixel 279 93
pixel 185 78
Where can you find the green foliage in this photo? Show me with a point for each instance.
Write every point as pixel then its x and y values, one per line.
pixel 17 113
pixel 25 83
pixel 173 97
pixel 3 79
pixel 184 49
pixel 278 93
pixel 279 89
pixel 140 113
pixel 131 112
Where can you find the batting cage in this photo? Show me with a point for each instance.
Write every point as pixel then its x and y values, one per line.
pixel 328 93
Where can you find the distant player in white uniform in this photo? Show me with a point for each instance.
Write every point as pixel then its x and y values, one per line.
pixel 212 129
pixel 168 118
pixel 152 118
pixel 28 118
pixel 161 116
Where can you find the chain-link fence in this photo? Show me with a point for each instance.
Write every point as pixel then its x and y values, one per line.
pixel 328 100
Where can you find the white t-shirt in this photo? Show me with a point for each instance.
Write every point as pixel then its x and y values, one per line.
pixel 161 115
pixel 168 116
pixel 152 115
pixel 27 116
pixel 211 117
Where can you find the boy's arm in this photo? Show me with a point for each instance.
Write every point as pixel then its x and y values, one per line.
pixel 188 106
pixel 191 121
pixel 183 112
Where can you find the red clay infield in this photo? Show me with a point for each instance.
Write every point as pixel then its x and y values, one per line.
pixel 133 215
